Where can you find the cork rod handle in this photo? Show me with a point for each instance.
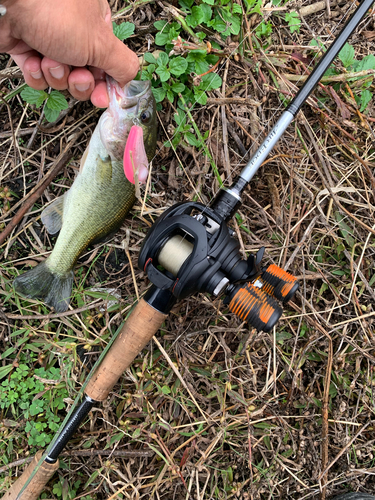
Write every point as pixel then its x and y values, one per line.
pixel 137 331
pixel 38 482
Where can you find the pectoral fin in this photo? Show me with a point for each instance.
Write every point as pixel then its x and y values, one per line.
pixel 52 215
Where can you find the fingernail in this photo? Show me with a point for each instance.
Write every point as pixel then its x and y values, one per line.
pixel 57 72
pixel 82 87
pixel 36 74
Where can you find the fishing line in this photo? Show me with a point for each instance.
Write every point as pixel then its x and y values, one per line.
pixel 348 13
pixel 281 104
pixel 221 68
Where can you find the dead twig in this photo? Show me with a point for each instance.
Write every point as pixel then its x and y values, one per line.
pixel 63 159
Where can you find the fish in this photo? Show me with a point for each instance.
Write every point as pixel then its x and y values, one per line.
pixel 101 195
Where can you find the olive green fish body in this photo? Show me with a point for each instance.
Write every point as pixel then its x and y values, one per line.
pixel 94 207
pixel 99 198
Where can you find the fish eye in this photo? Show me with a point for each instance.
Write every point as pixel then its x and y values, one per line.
pixel 145 117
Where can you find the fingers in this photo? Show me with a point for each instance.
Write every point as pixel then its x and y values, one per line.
pixel 81 83
pixel 115 58
pixel 30 63
pixel 42 73
pixel 55 74
pixel 99 96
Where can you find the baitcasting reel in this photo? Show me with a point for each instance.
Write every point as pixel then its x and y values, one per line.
pixel 190 249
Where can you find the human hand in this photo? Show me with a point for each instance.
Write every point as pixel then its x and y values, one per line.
pixel 66 44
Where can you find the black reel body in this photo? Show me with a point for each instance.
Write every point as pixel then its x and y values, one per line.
pixel 190 249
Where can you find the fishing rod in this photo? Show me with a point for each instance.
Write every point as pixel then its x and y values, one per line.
pixel 191 249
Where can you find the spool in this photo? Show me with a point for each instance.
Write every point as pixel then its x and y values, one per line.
pixel 174 253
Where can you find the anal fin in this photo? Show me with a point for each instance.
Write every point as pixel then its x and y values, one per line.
pixel 52 215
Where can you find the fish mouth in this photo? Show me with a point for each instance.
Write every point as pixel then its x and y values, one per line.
pixel 129 95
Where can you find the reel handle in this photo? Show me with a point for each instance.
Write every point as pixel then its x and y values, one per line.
pixel 38 482
pixel 255 302
pixel 255 306
pixel 279 283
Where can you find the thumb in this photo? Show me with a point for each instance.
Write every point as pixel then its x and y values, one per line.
pixel 115 58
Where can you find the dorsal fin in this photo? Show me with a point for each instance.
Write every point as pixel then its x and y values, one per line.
pixel 83 159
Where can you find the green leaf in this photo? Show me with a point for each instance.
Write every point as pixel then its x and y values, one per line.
pixel 345 230
pixel 365 98
pixel 163 73
pixel 264 29
pixel 201 97
pixel 192 140
pixel 149 58
pixel 199 14
pixel 51 114
pixel 93 476
pixel 196 55
pixel 33 96
pixel 195 18
pixel 173 34
pixel 123 30
pixel 201 67
pixel 136 433
pixel 332 390
pixel 318 43
pixel 178 87
pixel 170 96
pixel 36 407
pixel 161 39
pixel 56 101
pixel 150 69
pixel 115 438
pixel 210 2
pixel 4 370
pixel 159 94
pixel 236 9
pixel 210 82
pixel 218 24
pixel 232 22
pixel 186 4
pixel 293 21
pixel 281 336
pixel 165 389
pixel 264 425
pixel 346 55
pixel 253 6
pixel 159 25
pixel 179 117
pixel 178 66
pixel 367 62
pixel 163 59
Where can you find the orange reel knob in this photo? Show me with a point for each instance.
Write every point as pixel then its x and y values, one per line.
pixel 254 306
pixel 278 283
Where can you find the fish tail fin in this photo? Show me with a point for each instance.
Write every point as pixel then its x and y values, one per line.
pixel 41 283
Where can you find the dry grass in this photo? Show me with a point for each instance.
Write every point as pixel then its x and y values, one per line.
pixel 288 414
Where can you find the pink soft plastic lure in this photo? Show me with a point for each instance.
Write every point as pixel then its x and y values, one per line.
pixel 135 158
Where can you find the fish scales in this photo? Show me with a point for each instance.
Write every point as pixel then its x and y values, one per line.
pixel 99 198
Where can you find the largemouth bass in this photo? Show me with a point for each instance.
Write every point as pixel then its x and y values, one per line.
pixel 100 196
